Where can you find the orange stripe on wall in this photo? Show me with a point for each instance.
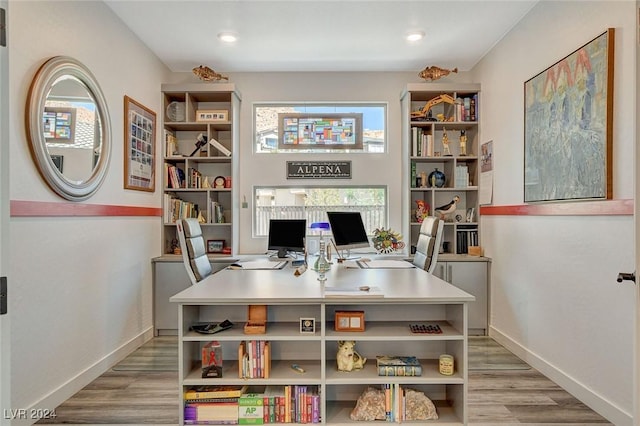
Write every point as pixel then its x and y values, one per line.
pixel 38 208
pixel 585 208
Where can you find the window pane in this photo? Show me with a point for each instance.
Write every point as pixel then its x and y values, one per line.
pixel 312 203
pixel 267 132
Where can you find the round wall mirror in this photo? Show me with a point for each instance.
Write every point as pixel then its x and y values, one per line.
pixel 68 127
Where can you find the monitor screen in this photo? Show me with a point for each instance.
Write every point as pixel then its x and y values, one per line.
pixel 348 230
pixel 286 235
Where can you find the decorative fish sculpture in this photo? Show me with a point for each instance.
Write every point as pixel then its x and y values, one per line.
pixel 434 73
pixel 207 74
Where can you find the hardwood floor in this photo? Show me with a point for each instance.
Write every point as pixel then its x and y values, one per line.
pixel 503 391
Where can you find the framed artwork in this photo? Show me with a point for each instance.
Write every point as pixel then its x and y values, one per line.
pixel 139 146
pixel 308 325
pixel 319 131
pixel 215 246
pixel 59 124
pixel 568 126
pixel 212 115
pixel 349 320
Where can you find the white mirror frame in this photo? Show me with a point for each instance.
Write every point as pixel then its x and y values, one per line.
pixel 43 81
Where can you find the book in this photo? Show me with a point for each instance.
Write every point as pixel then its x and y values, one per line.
pixel 208 413
pixel 217 145
pixel 213 391
pixel 251 409
pixel 398 365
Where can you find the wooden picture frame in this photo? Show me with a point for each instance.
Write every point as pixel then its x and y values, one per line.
pixel 349 321
pixel 568 126
pixel 139 146
pixel 215 246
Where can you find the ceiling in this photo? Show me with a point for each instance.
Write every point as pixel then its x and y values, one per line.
pixel 320 35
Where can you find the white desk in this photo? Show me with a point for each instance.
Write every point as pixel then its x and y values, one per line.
pixel 410 296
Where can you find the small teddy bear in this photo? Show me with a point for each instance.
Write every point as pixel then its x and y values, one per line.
pixel 347 357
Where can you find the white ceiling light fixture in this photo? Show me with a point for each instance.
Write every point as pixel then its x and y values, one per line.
pixel 414 36
pixel 228 37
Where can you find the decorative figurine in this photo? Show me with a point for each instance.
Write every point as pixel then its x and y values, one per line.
pixel 422 211
pixel 443 211
pixel 426 114
pixel 445 143
pixel 434 73
pixel 437 179
pixel 207 74
pixel 423 179
pixel 463 143
pixel 386 241
pixel 347 357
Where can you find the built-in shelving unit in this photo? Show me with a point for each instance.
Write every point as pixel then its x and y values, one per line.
pixel 387 332
pixel 457 108
pixel 198 180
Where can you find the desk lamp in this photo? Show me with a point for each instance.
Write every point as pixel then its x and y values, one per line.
pixel 321 265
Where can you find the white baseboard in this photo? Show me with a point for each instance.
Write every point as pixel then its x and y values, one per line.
pixel 83 378
pixel 596 402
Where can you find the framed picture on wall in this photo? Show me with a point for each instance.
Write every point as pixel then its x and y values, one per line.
pixel 139 146
pixel 568 127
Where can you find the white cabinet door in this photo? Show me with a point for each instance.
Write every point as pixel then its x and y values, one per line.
pixel 472 278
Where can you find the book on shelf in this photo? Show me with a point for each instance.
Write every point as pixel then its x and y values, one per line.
pixel 171 144
pixel 211 413
pixel 215 391
pixel 398 365
pixel 291 404
pixel 254 359
pixel 217 145
pixel 251 409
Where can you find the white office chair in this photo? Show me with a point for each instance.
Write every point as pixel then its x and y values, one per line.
pixel 428 245
pixel 194 253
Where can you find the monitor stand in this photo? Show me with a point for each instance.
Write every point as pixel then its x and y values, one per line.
pixel 282 253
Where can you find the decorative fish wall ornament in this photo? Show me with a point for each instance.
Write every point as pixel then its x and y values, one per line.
pixel 434 73
pixel 207 74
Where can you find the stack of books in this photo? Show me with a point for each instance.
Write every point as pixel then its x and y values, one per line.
pixel 254 359
pixel 291 404
pixel 212 404
pixel 398 365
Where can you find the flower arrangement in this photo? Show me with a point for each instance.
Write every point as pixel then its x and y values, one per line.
pixel 387 240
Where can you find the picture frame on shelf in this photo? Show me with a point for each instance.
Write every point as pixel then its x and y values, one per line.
pixel 212 115
pixel 307 325
pixel 215 246
pixel 139 146
pixel 568 128
pixel 349 321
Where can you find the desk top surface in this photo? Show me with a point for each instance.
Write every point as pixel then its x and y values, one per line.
pixel 281 286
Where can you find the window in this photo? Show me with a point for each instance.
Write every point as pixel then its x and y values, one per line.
pixel 268 133
pixel 312 203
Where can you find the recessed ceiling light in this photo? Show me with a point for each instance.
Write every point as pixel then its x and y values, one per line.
pixel 415 35
pixel 228 37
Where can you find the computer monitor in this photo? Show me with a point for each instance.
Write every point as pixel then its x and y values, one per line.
pixel 348 230
pixel 287 235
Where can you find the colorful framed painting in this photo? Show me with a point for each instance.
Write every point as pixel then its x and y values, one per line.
pixel 139 146
pixel 568 126
pixel 320 131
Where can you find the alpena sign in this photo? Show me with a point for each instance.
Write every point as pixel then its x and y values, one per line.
pixel 318 169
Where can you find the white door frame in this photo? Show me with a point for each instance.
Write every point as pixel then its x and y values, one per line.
pixel 636 220
pixel 5 340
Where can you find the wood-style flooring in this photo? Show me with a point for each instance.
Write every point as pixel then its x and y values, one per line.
pixel 503 391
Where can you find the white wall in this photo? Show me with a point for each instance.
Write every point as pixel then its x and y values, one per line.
pixel 80 286
pixel 554 295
